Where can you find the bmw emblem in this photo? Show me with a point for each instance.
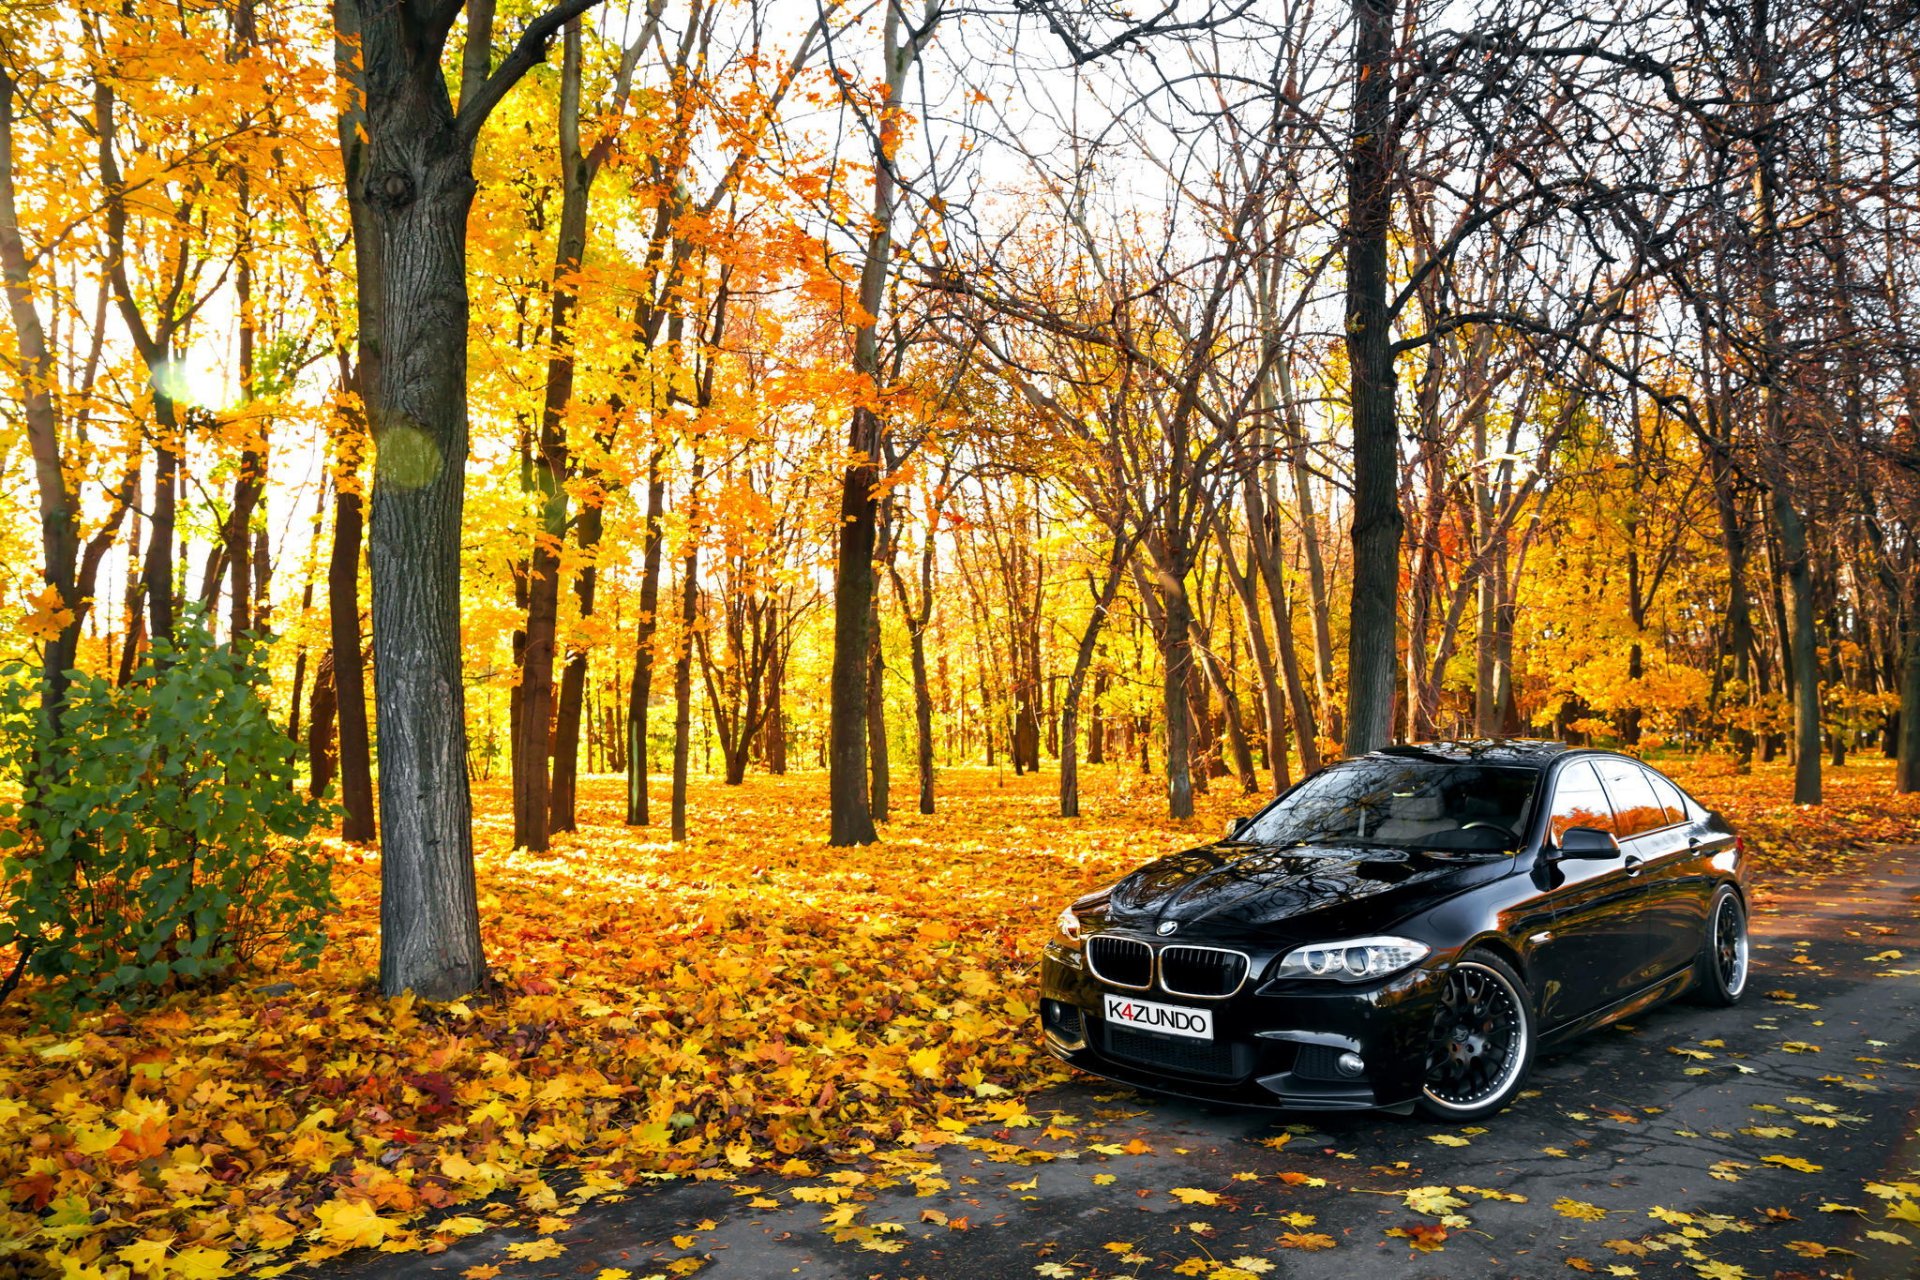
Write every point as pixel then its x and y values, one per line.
pixel 1166 927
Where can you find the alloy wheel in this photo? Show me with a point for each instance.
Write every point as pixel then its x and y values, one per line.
pixel 1730 944
pixel 1479 1041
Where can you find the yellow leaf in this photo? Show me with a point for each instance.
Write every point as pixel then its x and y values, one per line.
pixel 1193 1195
pixel 1798 1163
pixel 536 1250
pixel 1310 1241
pixel 351 1224
pixel 200 1263
pixel 1578 1210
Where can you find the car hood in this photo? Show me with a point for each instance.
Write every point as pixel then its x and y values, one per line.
pixel 1236 888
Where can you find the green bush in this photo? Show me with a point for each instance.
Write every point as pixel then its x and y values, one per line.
pixel 159 839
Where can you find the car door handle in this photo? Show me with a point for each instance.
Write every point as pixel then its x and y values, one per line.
pixel 1633 865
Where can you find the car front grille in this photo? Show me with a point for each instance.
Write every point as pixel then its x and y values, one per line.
pixel 1206 973
pixel 1124 962
pixel 1169 1053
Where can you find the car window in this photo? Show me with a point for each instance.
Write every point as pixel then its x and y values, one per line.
pixel 1670 797
pixel 1578 801
pixel 1635 806
pixel 1404 802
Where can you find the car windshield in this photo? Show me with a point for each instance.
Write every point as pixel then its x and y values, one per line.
pixel 1403 803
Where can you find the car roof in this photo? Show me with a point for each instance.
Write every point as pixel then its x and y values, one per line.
pixel 1534 753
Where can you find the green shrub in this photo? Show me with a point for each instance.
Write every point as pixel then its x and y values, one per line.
pixel 159 839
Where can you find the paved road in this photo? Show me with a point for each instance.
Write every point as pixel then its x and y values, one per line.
pixel 1670 1169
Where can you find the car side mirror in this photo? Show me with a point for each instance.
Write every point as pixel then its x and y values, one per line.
pixel 1588 842
pixel 1235 826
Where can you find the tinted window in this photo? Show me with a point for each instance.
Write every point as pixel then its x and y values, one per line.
pixel 1403 802
pixel 1670 798
pixel 1578 801
pixel 1635 807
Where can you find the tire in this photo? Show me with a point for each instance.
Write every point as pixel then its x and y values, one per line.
pixel 1721 969
pixel 1481 1046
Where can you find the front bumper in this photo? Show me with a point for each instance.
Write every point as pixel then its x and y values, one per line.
pixel 1274 1045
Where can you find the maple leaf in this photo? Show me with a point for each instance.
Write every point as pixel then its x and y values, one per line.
pixel 536 1250
pixel 481 1271
pixel 1310 1241
pixel 1798 1163
pixel 1720 1271
pixel 1426 1237
pixel 351 1224
pixel 1579 1210
pixel 1194 1195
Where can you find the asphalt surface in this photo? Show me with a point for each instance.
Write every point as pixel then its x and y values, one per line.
pixel 1652 1150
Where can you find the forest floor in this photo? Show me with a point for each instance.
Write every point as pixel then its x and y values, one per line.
pixel 774 1038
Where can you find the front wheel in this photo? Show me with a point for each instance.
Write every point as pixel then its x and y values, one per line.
pixel 1482 1040
pixel 1720 970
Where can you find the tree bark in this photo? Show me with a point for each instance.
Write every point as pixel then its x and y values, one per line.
pixel 349 670
pixel 410 187
pixel 850 820
pixel 683 664
pixel 1119 554
pixel 1376 508
pixel 642 689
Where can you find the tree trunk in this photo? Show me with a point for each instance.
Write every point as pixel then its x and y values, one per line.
pixel 1176 650
pixel 1906 772
pixel 573 689
pixel 1376 508
pixel 349 669
pixel 642 690
pixel 683 671
pixel 533 798
pixel 320 725
pixel 879 794
pixel 409 166
pixel 1070 704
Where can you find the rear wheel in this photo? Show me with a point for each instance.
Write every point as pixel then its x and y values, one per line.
pixel 1481 1045
pixel 1720 970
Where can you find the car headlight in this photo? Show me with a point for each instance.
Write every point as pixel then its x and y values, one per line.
pixel 1067 925
pixel 1356 960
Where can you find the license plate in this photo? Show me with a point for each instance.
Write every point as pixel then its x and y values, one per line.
pixel 1166 1019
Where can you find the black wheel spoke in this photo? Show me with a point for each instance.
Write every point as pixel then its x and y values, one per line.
pixel 1477 1039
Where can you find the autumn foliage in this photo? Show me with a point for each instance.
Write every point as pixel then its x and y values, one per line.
pixel 743 1006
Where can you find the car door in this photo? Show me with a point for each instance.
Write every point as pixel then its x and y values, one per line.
pixel 1596 943
pixel 1680 879
pixel 1654 848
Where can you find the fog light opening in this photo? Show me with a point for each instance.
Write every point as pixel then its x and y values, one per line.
pixel 1351 1064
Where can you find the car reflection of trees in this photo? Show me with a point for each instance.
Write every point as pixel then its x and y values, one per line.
pixel 1198 878
pixel 1578 817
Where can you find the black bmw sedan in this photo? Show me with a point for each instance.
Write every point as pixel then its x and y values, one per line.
pixel 1404 929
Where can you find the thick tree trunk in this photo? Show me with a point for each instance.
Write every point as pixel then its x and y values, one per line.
pixel 851 818
pixel 1376 508
pixel 410 183
pixel 642 689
